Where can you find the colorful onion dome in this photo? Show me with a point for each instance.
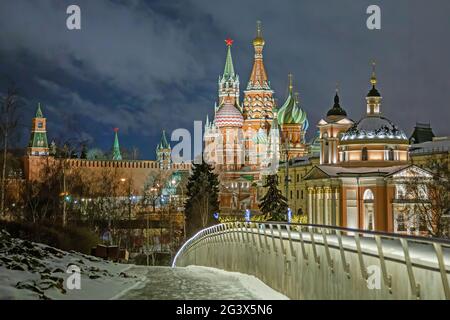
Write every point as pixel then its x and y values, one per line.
pixel 229 116
pixel 291 112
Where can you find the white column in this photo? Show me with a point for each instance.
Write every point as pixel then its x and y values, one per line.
pixel 310 205
pixel 337 204
pixel 318 206
pixel 327 196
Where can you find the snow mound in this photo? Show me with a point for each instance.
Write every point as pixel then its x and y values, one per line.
pixel 31 270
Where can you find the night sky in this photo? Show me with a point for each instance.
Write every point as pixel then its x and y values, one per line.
pixel 144 66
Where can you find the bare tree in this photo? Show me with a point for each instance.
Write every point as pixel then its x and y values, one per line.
pixel 43 197
pixel 153 186
pixel 105 199
pixel 9 119
pixel 66 149
pixel 431 205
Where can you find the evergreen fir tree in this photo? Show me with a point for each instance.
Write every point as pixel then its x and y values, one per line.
pixel 202 198
pixel 274 203
pixel 83 154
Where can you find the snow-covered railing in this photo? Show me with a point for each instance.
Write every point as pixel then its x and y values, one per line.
pixel 307 261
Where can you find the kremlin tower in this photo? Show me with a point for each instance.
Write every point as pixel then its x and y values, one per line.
pixel 38 145
pixel 163 152
pixel 116 155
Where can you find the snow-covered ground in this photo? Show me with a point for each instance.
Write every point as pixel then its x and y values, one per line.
pixel 200 283
pixel 36 271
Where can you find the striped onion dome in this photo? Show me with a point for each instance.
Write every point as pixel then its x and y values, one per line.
pixel 291 111
pixel 229 116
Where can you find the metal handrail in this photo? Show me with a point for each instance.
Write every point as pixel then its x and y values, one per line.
pixel 368 232
pixel 233 232
pixel 205 232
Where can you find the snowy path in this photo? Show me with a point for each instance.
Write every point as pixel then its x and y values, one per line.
pixel 35 271
pixel 198 283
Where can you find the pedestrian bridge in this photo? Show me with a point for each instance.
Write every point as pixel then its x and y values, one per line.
pixel 305 261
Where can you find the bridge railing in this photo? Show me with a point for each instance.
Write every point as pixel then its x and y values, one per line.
pixel 406 263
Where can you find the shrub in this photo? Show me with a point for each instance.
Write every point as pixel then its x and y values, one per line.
pixel 69 238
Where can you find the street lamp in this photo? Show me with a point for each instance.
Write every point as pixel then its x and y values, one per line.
pixel 247 215
pixel 153 190
pixel 129 212
pixel 174 182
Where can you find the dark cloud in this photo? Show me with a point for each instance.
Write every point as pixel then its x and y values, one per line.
pixel 148 65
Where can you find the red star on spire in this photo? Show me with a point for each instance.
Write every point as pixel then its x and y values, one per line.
pixel 229 42
pixel 116 129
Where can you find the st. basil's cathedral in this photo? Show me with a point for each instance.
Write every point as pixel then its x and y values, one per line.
pixel 246 140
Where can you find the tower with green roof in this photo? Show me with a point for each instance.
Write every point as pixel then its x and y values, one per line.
pixel 163 152
pixel 38 145
pixel 116 155
pixel 229 81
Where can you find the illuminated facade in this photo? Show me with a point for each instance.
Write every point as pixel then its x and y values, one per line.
pixel 360 181
pixel 39 156
pixel 244 141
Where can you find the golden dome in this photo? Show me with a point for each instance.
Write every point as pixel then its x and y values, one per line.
pixel 258 41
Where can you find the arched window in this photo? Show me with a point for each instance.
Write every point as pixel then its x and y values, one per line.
pixel 391 154
pixel 368 195
pixel 364 154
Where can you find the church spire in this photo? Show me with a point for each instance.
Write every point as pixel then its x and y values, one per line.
pixel 373 81
pixel 228 71
pixel 39 111
pixel 258 77
pixel 116 155
pixel 229 81
pixel 258 97
pixel 373 98
pixel 259 40
pixel 291 85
